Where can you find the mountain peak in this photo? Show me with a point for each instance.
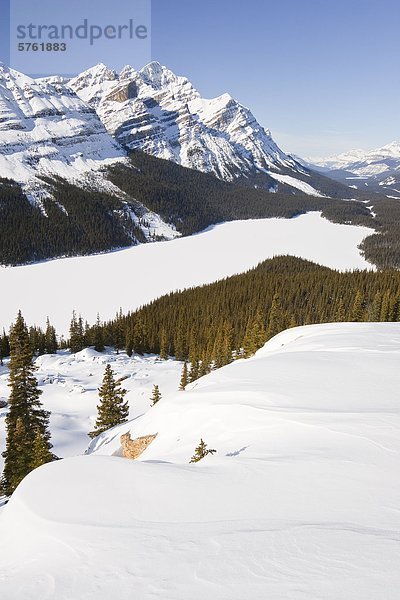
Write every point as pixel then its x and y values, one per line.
pixel 156 74
pixel 99 71
pixel 161 113
pixel 127 72
pixel 393 147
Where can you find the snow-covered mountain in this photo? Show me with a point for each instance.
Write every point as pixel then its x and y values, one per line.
pixel 74 128
pixel 46 129
pixel 60 139
pixel 379 167
pixel 163 114
pixel 300 500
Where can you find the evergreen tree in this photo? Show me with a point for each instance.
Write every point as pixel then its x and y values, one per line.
pixel 156 395
pixel 26 418
pixel 194 371
pixel 357 311
pixel 255 335
pixel 40 452
pixel 139 337
pixel 129 343
pixel 180 343
pixel 205 366
pixel 340 314
pixel 276 321
pixel 4 346
pixel 76 334
pixel 385 307
pixel 201 451
pixel 98 336
pixel 219 352
pixel 119 332
pixel 87 335
pixel 184 377
pixel 163 345
pixel 375 308
pixel 50 338
pixel 112 409
pixel 37 340
pixel 227 343
pixel 306 293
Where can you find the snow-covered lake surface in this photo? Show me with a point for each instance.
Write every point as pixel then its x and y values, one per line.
pixel 134 276
pixel 301 500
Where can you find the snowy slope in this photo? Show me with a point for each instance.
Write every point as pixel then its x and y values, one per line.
pixel 300 501
pixel 161 113
pixel 148 271
pixel 46 129
pixel 69 383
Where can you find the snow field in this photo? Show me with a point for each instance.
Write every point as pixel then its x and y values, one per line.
pixel 300 501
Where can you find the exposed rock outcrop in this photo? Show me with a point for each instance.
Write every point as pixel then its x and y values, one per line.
pixel 134 448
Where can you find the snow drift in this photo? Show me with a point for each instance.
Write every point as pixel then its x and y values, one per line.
pixel 300 501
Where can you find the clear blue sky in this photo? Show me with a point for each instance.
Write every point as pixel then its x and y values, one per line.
pixel 322 75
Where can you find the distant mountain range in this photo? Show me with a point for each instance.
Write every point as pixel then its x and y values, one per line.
pixel 377 169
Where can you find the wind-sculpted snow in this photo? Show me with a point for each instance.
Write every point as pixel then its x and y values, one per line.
pixel 300 500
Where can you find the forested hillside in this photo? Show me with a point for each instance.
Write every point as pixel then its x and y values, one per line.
pixel 77 221
pixel 239 314
pixel 193 200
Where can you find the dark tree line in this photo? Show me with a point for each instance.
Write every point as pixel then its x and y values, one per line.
pixel 40 341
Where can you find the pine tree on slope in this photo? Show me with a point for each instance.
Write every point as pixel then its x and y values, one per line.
pixel 76 334
pixel 255 335
pixel 112 410
pixel 201 451
pixel 26 418
pixel 156 395
pixel 163 345
pixel 50 338
pixel 184 377
pixel 98 336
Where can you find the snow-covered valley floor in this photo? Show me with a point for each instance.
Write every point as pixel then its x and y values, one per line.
pixel 300 502
pixel 134 276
